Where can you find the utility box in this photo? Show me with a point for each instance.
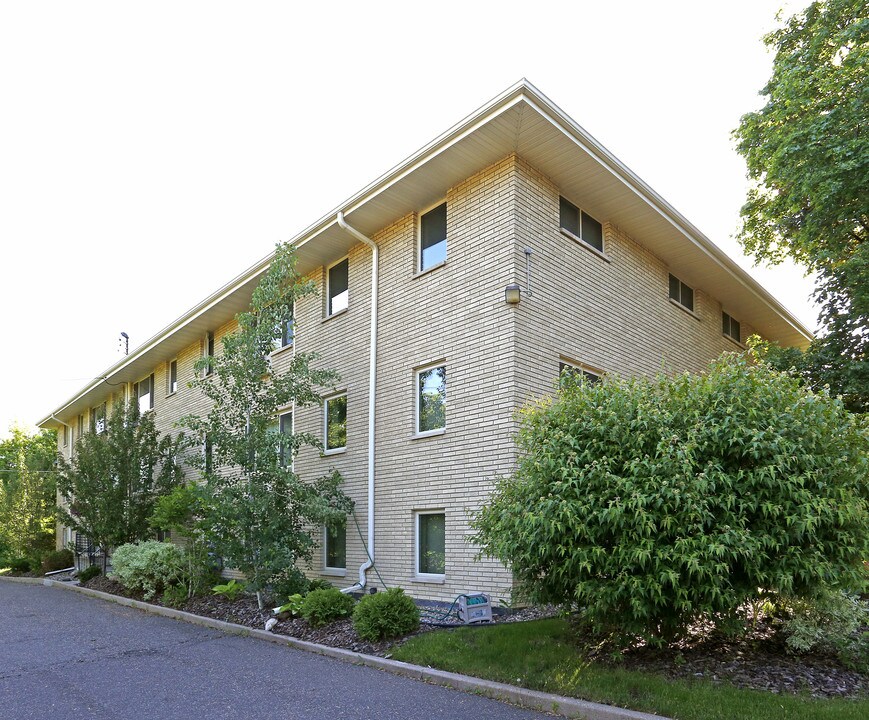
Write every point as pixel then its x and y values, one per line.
pixel 474 608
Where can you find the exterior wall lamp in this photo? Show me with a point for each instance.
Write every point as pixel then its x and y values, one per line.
pixel 512 294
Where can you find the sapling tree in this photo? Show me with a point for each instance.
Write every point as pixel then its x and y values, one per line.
pixel 260 513
pixel 115 477
pixel 651 503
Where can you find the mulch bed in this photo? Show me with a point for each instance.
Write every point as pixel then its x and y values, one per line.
pixel 757 661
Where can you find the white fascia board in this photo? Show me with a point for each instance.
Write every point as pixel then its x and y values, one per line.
pixel 594 149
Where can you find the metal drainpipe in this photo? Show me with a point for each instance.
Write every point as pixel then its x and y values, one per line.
pixel 372 388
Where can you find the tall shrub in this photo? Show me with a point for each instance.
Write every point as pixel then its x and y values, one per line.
pixel 651 502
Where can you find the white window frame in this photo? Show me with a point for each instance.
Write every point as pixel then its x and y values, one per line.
pixel 328 569
pixel 329 312
pixel 678 302
pixel 210 339
pixel 326 400
pixel 418 575
pixel 731 319
pixel 151 399
pixel 169 389
pixel 418 268
pixel 281 415
pixel 416 405
pixel 581 366
pixel 578 237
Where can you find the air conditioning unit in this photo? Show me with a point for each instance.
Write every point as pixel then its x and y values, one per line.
pixel 474 608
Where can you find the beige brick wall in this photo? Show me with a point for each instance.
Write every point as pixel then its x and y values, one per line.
pixel 612 314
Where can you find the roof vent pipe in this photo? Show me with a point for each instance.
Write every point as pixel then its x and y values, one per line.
pixel 372 388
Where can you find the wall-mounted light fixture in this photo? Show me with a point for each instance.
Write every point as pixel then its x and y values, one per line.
pixel 512 294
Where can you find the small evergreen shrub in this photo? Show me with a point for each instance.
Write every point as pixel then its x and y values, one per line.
pixel 385 615
pixel 89 573
pixel 321 607
pixel 148 566
pixel 57 560
pixel 21 565
pixel 231 590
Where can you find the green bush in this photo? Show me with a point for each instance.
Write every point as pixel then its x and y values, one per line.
pixel 834 622
pixel 57 560
pixel 148 566
pixel 21 565
pixel 89 573
pixel 321 607
pixel 385 615
pixel 174 596
pixel 648 503
pixel 288 582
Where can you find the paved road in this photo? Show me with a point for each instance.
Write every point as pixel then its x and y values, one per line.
pixel 66 655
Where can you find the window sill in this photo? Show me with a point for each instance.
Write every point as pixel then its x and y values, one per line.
pixel 430 579
pixel 428 433
pixel 334 572
pixel 283 348
pixel 582 243
pixel 679 305
pixel 334 451
pixel 735 342
pixel 428 270
pixel 174 392
pixel 335 314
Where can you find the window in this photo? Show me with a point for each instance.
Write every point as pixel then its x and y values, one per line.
pixel 208 454
pixel 65 435
pixel 98 419
pixel 208 350
pixel 335 547
pixel 285 427
pixel 336 423
pixel 172 378
pixel 433 237
pixel 338 292
pixel 580 225
pixel 578 371
pixel 730 327
pixel 681 293
pixel 431 543
pixel 431 399
pixel 144 392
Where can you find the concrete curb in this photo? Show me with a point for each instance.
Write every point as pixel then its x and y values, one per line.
pixel 531 699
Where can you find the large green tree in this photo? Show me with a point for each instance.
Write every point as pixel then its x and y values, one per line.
pixel 807 152
pixel 259 513
pixel 27 492
pixel 115 477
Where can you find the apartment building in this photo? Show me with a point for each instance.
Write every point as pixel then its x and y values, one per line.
pixel 453 290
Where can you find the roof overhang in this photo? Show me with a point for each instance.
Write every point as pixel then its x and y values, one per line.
pixel 522 121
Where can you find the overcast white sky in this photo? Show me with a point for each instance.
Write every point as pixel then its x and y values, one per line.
pixel 150 152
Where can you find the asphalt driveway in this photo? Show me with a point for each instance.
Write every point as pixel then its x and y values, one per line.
pixel 66 655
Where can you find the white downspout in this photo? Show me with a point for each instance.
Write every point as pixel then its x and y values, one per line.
pixel 372 388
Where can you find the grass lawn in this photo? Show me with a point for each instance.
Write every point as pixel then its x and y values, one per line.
pixel 538 655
